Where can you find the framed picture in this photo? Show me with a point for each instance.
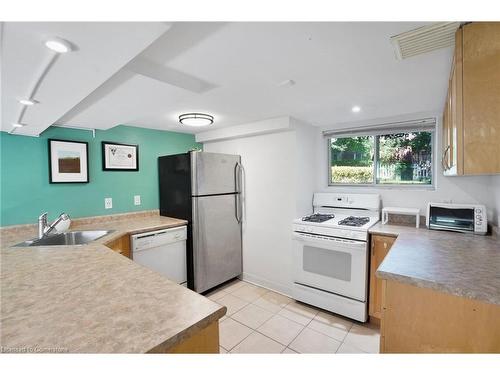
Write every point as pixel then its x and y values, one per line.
pixel 120 157
pixel 68 161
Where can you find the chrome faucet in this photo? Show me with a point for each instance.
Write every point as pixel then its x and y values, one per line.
pixel 44 229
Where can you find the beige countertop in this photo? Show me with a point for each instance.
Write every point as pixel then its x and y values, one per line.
pixel 91 299
pixel 465 265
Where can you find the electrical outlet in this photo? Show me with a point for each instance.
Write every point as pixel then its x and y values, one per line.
pixel 137 200
pixel 108 203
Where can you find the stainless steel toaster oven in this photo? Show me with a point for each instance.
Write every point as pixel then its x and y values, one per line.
pixel 465 218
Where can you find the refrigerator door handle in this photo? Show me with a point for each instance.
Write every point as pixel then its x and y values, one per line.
pixel 195 225
pixel 237 212
pixel 237 177
pixel 238 174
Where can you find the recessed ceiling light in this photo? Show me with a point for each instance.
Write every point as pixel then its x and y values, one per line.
pixel 27 101
pixel 196 119
pixel 17 125
pixel 356 109
pixel 58 45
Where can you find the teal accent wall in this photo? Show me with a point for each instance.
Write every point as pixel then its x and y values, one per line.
pixel 24 175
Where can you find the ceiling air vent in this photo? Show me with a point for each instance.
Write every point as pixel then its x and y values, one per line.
pixel 424 39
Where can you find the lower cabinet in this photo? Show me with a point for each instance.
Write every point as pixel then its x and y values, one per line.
pixel 380 246
pixel 121 245
pixel 422 320
pixel 204 342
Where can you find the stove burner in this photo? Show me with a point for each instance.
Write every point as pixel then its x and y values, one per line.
pixel 354 221
pixel 318 218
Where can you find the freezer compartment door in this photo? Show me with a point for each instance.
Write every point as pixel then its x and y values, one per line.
pixel 174 173
pixel 213 173
pixel 217 252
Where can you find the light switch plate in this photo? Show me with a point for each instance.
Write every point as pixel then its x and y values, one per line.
pixel 108 203
pixel 137 200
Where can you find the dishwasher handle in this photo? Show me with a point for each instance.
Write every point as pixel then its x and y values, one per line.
pixel 149 240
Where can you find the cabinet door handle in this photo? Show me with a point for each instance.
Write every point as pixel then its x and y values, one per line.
pixel 443 159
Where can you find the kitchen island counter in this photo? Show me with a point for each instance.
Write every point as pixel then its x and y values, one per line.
pixel 91 299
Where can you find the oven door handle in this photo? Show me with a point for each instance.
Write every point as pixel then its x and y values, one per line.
pixel 309 238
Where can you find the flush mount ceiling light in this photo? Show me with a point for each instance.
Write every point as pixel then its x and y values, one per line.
pixel 356 109
pixel 27 101
pixel 196 119
pixel 17 125
pixel 58 45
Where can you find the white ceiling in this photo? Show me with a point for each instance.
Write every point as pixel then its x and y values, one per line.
pixel 233 71
pixel 101 48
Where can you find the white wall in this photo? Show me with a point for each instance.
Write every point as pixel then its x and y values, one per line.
pixel 464 189
pixel 305 165
pixel 495 193
pixel 269 205
pixel 283 170
pixel 280 178
pixel 268 126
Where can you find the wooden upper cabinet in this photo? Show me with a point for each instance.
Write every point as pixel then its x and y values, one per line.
pixel 452 161
pixel 447 160
pixel 380 246
pixel 456 159
pixel 481 97
pixel 471 119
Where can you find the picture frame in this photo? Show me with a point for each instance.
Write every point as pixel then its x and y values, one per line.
pixel 68 161
pixel 120 157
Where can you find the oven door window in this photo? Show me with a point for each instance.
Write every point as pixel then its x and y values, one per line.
pixel 333 264
pixel 338 267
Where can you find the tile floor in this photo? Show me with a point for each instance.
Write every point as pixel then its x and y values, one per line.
pixel 262 321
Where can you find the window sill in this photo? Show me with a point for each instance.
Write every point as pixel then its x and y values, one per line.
pixel 386 186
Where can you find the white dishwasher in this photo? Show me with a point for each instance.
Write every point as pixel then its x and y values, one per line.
pixel 163 251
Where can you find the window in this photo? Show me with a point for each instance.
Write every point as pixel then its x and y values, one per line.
pixel 388 158
pixel 404 158
pixel 351 160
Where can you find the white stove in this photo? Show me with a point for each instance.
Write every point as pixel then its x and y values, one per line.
pixel 331 253
pixel 334 227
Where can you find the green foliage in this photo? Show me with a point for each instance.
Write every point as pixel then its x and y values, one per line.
pixel 352 163
pixel 403 147
pixel 404 155
pixel 362 145
pixel 343 151
pixel 352 175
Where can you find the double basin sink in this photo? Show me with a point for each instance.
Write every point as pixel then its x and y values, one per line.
pixel 67 238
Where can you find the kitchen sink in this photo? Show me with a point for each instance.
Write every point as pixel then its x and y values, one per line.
pixel 67 238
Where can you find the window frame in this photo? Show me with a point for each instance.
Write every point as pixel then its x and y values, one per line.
pixel 374 183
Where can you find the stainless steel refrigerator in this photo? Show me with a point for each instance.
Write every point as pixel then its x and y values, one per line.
pixel 205 189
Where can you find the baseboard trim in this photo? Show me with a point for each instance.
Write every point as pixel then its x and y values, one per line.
pixel 275 287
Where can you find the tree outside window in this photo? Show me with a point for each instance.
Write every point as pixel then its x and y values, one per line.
pixel 405 158
pixel 352 160
pixel 400 158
